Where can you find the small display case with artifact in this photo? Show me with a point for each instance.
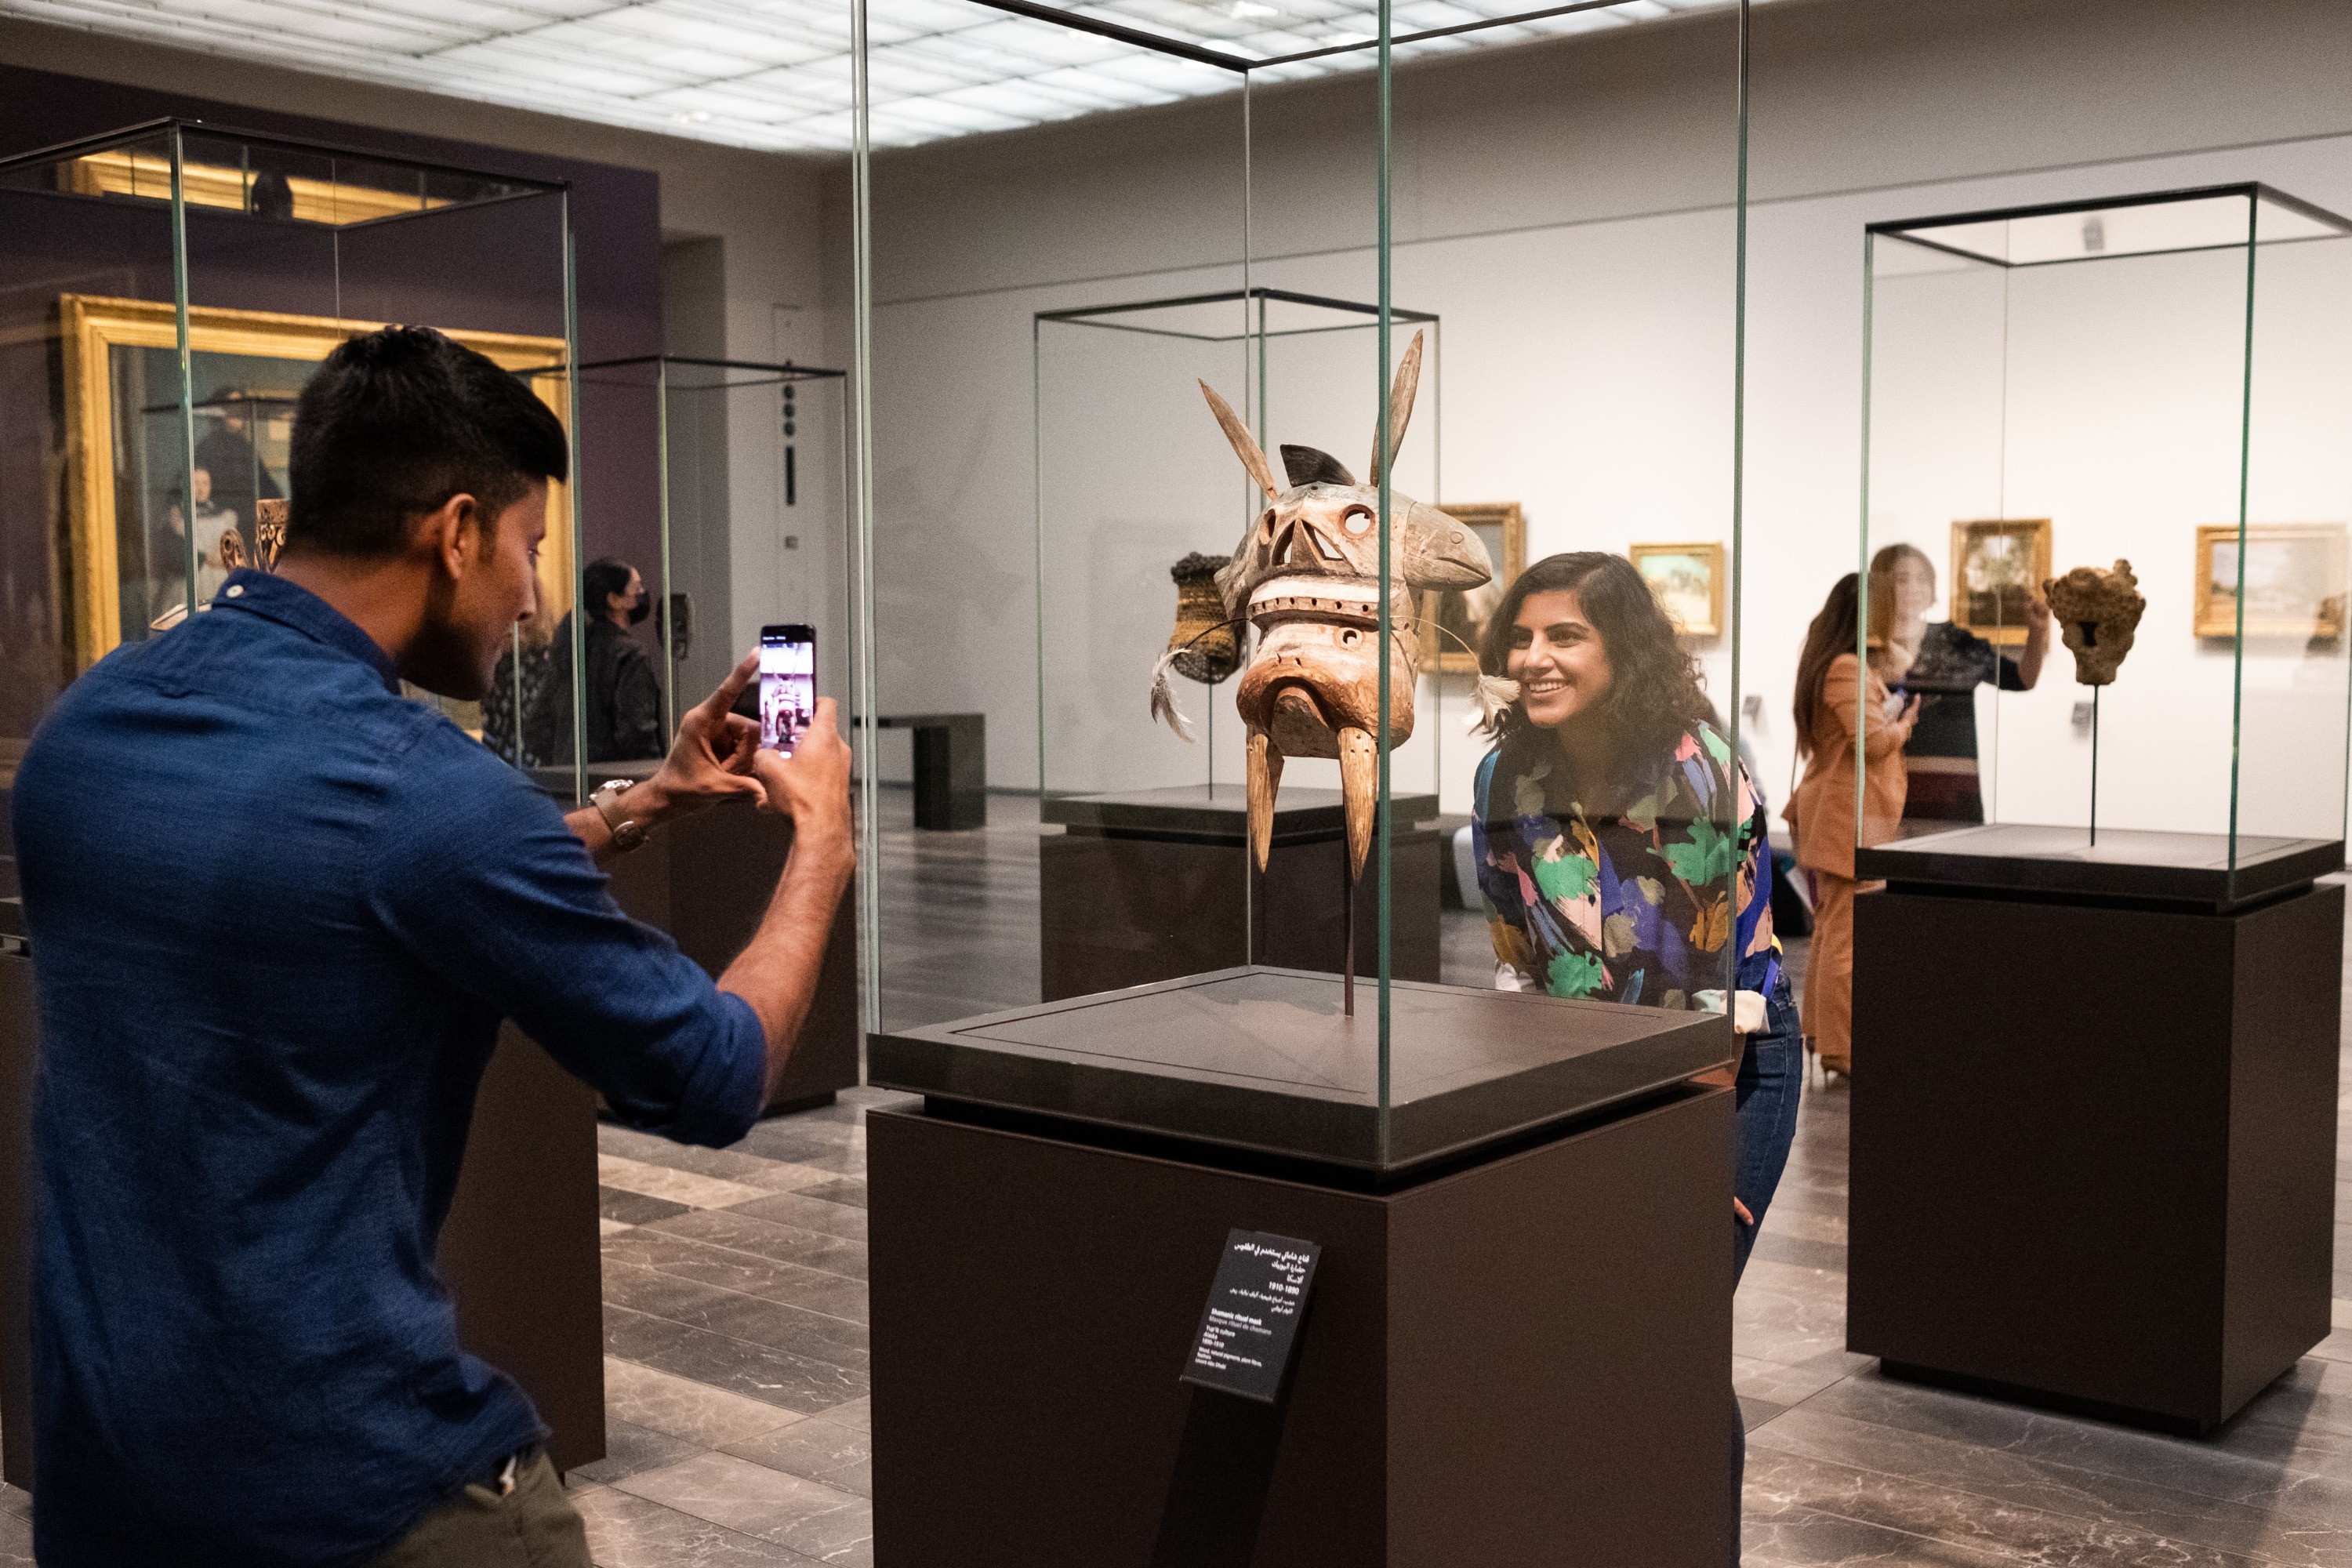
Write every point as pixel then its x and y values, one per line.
pixel 2098 998
pixel 165 293
pixel 1250 1035
pixel 701 468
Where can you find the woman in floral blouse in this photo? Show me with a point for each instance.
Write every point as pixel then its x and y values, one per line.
pixel 1624 850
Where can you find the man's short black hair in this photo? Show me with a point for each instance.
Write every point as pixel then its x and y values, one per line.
pixel 602 577
pixel 396 422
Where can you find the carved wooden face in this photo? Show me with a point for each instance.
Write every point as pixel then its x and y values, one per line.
pixel 1308 576
pixel 1322 539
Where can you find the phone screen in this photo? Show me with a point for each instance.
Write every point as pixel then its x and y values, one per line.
pixel 787 685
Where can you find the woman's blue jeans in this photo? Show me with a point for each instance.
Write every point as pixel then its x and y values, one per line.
pixel 1771 1081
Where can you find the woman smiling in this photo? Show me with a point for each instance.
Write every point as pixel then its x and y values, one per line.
pixel 1624 850
pixel 1620 844
pixel 1622 847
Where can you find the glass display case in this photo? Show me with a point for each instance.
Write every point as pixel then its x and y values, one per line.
pixel 1291 361
pixel 708 484
pixel 1263 675
pixel 167 290
pixel 2104 545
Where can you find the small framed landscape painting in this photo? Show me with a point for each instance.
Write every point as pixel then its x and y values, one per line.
pixel 1688 582
pixel 2293 581
pixel 1455 620
pixel 1999 565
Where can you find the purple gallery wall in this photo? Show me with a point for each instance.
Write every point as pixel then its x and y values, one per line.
pixel 494 268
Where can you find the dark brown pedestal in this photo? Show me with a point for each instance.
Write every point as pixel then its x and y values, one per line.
pixel 2093 1146
pixel 520 1251
pixel 951 768
pixel 1522 1362
pixel 708 880
pixel 1154 885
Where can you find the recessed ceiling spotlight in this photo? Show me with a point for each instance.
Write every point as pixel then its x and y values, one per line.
pixel 1250 10
pixel 693 117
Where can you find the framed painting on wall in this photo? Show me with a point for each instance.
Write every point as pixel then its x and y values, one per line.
pixel 128 524
pixel 2294 580
pixel 1455 620
pixel 1999 565
pixel 1687 580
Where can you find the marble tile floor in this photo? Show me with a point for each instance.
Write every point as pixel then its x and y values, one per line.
pixel 738 1358
pixel 736 1351
pixel 735 1300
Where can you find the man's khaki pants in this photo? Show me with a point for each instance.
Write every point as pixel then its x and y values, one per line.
pixel 533 1526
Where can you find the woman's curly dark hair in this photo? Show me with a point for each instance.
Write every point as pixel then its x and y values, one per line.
pixel 1655 695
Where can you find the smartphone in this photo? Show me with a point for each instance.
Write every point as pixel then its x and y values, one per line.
pixel 787 685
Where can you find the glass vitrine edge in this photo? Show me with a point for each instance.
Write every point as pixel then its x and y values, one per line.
pixel 1228 296
pixel 1732 716
pixel 787 370
pixel 1862 554
pixel 1201 54
pixel 185 359
pixel 2245 470
pixel 162 125
pixel 2254 192
pixel 83 146
pixel 668 601
pixel 1897 228
pixel 1038 532
pixel 860 429
pixel 574 492
pixel 1382 444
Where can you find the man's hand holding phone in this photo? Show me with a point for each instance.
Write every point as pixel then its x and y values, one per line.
pixel 812 785
pixel 777 973
pixel 709 762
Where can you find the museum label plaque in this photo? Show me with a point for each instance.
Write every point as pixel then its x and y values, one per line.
pixel 1246 1330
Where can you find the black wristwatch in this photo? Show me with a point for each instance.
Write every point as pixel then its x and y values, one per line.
pixel 626 834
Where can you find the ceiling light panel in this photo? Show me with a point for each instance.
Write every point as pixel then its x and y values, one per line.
pixel 775 74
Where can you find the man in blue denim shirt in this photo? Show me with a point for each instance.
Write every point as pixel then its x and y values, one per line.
pixel 277 914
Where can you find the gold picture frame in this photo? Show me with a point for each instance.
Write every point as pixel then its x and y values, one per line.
pixel 1448 614
pixel 98 433
pixel 1687 582
pixel 1997 565
pixel 2297 570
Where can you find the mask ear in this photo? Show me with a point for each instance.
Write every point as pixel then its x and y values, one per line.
pixel 1245 445
pixel 1400 395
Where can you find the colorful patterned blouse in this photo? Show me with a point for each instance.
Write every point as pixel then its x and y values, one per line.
pixel 1633 906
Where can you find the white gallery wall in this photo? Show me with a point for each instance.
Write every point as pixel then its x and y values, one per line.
pixel 1565 208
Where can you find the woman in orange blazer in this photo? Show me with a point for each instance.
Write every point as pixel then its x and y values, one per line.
pixel 1836 696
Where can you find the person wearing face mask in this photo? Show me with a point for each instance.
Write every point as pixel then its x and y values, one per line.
pixel 1946 664
pixel 1626 852
pixel 622 696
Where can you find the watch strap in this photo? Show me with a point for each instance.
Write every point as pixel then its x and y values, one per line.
pixel 626 833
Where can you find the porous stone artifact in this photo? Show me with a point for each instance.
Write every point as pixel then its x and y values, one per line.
pixel 2097 614
pixel 1306 576
pixel 1206 645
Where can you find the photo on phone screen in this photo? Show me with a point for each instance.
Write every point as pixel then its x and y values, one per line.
pixel 787 685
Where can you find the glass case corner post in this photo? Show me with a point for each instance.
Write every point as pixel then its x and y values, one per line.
pixel 861 512
pixel 1384 441
pixel 578 520
pixel 1733 825
pixel 1862 553
pixel 667 598
pixel 185 359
